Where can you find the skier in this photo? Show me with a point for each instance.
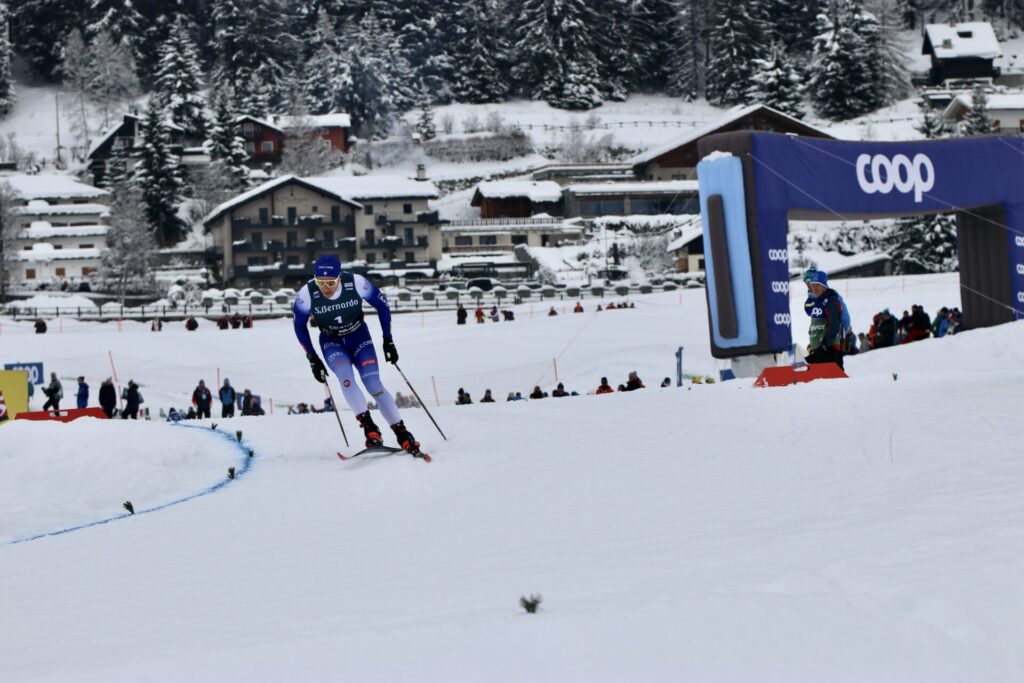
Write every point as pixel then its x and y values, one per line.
pixel 334 298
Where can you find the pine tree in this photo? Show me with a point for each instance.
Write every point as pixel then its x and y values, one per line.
pixel 619 61
pixel 306 151
pixel 777 83
pixel 793 23
pixel 425 120
pixel 120 18
pixel 931 124
pixel 112 79
pixel 687 59
pixel 126 263
pixel 885 53
pixel 653 38
pixel 7 96
pixel 977 121
pixel 477 56
pixel 43 27
pixel 77 75
pixel 736 34
pixel 226 148
pixel 842 82
pixel 427 31
pixel 178 81
pixel 9 228
pixel 554 54
pixel 326 76
pixel 924 244
pixel 158 176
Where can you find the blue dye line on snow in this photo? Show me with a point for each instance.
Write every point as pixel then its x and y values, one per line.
pixel 239 472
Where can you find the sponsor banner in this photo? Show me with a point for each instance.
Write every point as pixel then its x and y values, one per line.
pixel 13 394
pixel 34 370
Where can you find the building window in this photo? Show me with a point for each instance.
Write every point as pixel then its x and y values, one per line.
pixel 463 240
pixel 30 273
pixel 264 216
pixel 329 239
pixel 267 146
pixel 250 148
pixel 316 209
pixel 602 207
pixel 406 208
pixel 293 215
pixel 519 239
pixel 58 246
pixel 292 260
pixel 410 256
pixel 368 209
pixel 257 240
pixel 488 240
pixel 684 205
pixel 87 271
pixel 335 214
pixel 248 129
pixel 85 246
pixel 59 272
pixel 371 237
pixel 371 257
pixel 647 207
pixel 292 239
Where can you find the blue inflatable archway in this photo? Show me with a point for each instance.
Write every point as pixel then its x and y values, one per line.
pixel 752 184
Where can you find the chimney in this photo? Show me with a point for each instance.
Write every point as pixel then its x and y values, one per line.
pixel 421 172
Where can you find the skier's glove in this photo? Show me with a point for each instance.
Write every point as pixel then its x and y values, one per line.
pixel 390 352
pixel 317 366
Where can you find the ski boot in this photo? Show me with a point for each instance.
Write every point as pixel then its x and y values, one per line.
pixel 370 429
pixel 406 439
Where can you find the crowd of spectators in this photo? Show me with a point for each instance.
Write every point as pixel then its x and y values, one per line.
pixel 632 383
pixel 914 325
pixel 482 315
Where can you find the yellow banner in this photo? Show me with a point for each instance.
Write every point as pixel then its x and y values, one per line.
pixel 13 394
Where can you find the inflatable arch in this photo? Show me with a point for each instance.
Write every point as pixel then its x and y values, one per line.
pixel 752 184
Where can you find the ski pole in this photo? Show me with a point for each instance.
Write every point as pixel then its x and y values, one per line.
pixel 335 405
pixel 424 405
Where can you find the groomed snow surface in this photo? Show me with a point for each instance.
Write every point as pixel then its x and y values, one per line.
pixel 869 529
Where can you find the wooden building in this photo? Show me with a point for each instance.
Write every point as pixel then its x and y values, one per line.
pixel 961 51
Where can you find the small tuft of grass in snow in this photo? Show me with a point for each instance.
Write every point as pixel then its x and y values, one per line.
pixel 530 604
pixel 127 505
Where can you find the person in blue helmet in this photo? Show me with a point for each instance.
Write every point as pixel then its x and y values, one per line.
pixel 334 298
pixel 827 331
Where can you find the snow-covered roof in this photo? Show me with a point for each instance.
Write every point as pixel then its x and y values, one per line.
pixel 508 225
pixel 171 125
pixel 996 102
pixel 262 122
pixel 970 39
pixel 376 187
pixel 336 120
pixel 41 252
pixel 40 207
pixel 43 230
pixel 659 187
pixel 349 189
pixel 689 233
pixel 51 186
pixel 730 116
pixel 535 191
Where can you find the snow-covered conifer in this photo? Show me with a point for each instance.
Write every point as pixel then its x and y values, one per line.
pixel 687 58
pixel 158 176
pixel 112 79
pixel 478 55
pixel 736 34
pixel 777 83
pixel 43 28
pixel 842 81
pixel 77 75
pixel 120 18
pixel 6 86
pixel 931 125
pixel 226 147
pixel 178 81
pixel 977 121
pixel 127 261
pixel 9 228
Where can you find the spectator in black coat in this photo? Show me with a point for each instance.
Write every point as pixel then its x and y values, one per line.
pixel 634 382
pixel 537 393
pixel 463 399
pixel 108 397
pixel 227 399
pixel 460 315
pixel 132 401
pixel 40 326
pixel 191 324
pixel 487 397
pixel 559 391
pixel 202 398
pixel 885 330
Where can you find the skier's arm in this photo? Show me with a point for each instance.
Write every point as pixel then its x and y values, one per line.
pixel 373 296
pixel 301 322
pixel 834 322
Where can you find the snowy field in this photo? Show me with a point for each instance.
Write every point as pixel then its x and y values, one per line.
pixel 857 530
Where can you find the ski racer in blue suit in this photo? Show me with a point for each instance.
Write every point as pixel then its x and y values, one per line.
pixel 334 299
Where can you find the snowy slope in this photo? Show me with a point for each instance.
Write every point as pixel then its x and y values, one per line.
pixel 863 529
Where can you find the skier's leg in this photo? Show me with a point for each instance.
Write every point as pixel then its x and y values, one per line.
pixel 339 361
pixel 365 357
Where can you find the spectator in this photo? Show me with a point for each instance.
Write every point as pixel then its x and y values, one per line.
pixel 903 326
pixel 666 382
pixel 632 305
pixel 31 391
pixel 518 397
pixel 328 405
pixel 202 398
pixel 227 399
pixel 511 397
pixel 54 393
pixel 826 328
pixel 604 387
pixel 479 315
pixel 509 316
pixel 156 325
pixel 463 399
pixel 920 324
pixel 578 308
pixel 460 315
pixel 863 344
pixel 132 400
pixel 40 326
pixel 236 321
pixel 633 383
pixel 191 324
pixel 302 409
pixel 552 312
pixel 173 415
pixel 955 319
pixel 247 322
pixel 249 403
pixel 885 330
pixel 402 401
pixel 82 397
pixel 191 414
pixel 537 393
pixel 622 387
pixel 108 397
pixel 559 391
pixel 850 344
pixel 495 316
pixel 940 326
pixel 222 323
pixel 599 309
pixel 487 397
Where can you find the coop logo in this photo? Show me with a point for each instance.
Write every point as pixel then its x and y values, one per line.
pixel 1019 240
pixel 781 318
pixel 899 172
pixel 1020 297
pixel 780 286
pixel 1020 269
pixel 778 255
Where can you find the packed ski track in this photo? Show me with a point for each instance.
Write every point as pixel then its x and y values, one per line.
pixel 848 530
